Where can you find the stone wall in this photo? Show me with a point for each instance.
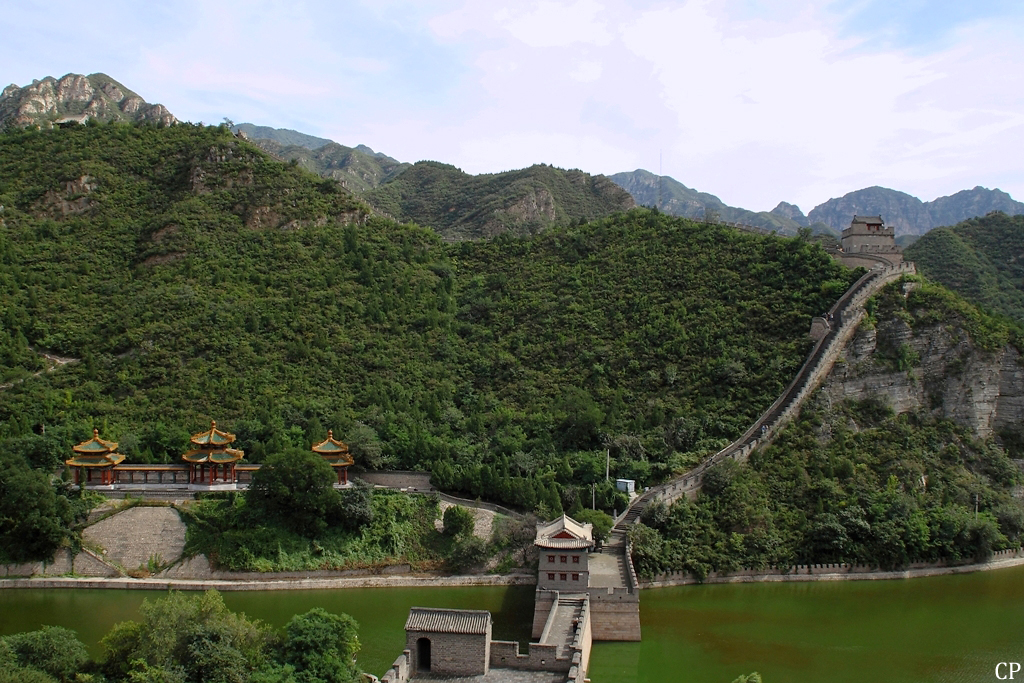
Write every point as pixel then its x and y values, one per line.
pixel 615 613
pixel 543 600
pixel 455 654
pixel 505 655
pixel 419 481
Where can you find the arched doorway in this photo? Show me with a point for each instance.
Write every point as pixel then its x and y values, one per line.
pixel 423 654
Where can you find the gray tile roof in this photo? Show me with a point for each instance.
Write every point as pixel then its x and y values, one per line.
pixel 438 620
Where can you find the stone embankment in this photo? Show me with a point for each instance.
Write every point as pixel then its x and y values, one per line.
pixel 272 584
pixel 838 572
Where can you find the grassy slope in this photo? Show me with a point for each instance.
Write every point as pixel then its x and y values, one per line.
pixel 980 259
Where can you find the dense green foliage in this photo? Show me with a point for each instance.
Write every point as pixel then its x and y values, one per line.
pixel 184 639
pixel 190 639
pixel 848 484
pixel 462 206
pixel 296 490
pixel 363 528
pixel 979 259
pixel 37 512
pixel 196 278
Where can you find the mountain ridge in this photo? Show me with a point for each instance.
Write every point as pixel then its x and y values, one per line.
pixel 75 98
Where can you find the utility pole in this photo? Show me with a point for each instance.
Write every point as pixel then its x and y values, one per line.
pixel 607 463
pixel 593 496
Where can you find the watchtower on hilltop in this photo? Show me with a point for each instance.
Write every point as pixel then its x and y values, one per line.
pixel 870 243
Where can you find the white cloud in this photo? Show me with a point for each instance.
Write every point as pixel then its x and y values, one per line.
pixel 558 24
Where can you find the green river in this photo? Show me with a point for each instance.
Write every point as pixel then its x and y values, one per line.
pixel 942 629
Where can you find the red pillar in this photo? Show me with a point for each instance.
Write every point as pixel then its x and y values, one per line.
pixel 344 475
pixel 77 471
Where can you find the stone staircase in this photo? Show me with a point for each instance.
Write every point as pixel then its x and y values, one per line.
pixel 561 627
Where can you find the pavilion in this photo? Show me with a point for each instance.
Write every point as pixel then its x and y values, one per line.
pixel 95 455
pixel 211 460
pixel 337 456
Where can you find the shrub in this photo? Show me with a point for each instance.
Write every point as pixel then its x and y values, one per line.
pixel 458 521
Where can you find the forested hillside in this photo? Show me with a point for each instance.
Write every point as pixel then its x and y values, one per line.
pixel 524 202
pixel 982 259
pixel 197 278
pixel 851 481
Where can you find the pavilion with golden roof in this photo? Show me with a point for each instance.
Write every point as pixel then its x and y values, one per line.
pixel 95 455
pixel 337 456
pixel 211 459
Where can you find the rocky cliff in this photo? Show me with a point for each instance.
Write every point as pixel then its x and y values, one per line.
pixel 925 351
pixel 76 98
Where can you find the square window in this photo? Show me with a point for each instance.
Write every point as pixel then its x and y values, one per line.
pixel 551 558
pixel 575 577
pixel 575 559
pixel 561 577
pixel 551 577
pixel 562 558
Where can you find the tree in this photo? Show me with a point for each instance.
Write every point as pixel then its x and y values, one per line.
pixel 53 650
pixel 458 521
pixel 322 647
pixel 364 444
pixel 295 488
pixel 34 520
pixel 187 638
pixel 602 522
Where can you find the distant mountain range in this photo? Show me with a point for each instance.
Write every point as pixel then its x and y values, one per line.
pixel 76 98
pixel 906 213
pixel 459 205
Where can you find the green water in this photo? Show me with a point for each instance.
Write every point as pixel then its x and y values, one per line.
pixel 951 629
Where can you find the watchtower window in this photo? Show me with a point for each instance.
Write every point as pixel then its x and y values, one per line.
pixel 551 558
pixel 575 559
pixel 561 577
pixel 563 558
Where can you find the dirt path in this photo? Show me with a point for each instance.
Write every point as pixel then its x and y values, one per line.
pixel 54 362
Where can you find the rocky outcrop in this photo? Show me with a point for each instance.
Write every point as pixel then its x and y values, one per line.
pixel 75 98
pixel 935 369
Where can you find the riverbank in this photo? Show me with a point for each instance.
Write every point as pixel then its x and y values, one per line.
pixel 837 572
pixel 270 584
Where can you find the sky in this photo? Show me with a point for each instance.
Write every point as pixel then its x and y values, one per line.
pixel 755 101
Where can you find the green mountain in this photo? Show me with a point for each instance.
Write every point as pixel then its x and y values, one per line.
pixel 196 278
pixel 359 169
pixel 283 136
pixel 908 214
pixel 76 98
pixel 462 206
pixel 982 259
pixel 674 198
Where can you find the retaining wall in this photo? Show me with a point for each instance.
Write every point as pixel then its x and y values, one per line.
pixel 839 572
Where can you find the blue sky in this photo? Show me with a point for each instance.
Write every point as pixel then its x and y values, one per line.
pixel 756 101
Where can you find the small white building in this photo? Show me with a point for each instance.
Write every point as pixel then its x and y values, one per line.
pixel 564 546
pixel 626 485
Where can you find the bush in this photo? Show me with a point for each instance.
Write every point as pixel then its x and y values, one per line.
pixel 602 522
pixel 297 489
pixel 53 650
pixel 458 521
pixel 468 551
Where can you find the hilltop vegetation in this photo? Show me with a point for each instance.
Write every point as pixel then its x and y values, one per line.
pixel 358 169
pixel 524 202
pixel 981 259
pixel 196 278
